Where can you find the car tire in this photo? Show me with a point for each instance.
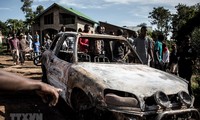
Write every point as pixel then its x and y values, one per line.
pixel 79 99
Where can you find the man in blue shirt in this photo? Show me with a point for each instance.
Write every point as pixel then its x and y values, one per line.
pixel 36 44
pixel 158 52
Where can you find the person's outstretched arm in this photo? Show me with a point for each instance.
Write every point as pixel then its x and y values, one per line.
pixel 13 82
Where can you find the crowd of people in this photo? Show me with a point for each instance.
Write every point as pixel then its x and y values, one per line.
pixel 20 43
pixel 178 60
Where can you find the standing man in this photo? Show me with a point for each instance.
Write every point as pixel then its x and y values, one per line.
pixel 173 60
pixel 158 51
pixel 143 45
pixel 7 41
pixel 84 43
pixel 103 30
pixel 165 58
pixel 187 56
pixel 22 47
pixel 36 44
pixel 14 47
pixel 30 40
pixel 99 44
pixel 99 30
pixel 47 41
pixel 119 48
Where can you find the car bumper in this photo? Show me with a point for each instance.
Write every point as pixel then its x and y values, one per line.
pixel 159 115
pixel 194 112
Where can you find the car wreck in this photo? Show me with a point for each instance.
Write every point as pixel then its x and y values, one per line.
pixel 109 76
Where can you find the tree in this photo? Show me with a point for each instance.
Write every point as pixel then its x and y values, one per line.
pixel 162 18
pixel 26 7
pixel 29 14
pixel 39 10
pixel 188 24
pixel 15 25
pixel 3 28
pixel 185 21
pixel 184 13
pixel 142 24
pixel 196 39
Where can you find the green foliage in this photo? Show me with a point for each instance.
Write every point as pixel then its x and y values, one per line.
pixel 184 13
pixel 3 27
pixel 14 25
pixel 39 10
pixel 26 7
pixel 196 40
pixel 142 24
pixel 185 21
pixel 3 50
pixel 162 18
pixel 29 13
pixel 155 34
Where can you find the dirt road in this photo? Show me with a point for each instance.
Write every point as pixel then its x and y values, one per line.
pixel 25 103
pixel 28 70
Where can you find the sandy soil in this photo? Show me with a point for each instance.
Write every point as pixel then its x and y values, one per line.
pixel 28 70
pixel 27 102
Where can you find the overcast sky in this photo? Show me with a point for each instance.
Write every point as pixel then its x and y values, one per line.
pixel 117 12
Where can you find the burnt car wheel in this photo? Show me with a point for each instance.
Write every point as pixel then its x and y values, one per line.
pixel 84 108
pixel 80 101
pixel 81 104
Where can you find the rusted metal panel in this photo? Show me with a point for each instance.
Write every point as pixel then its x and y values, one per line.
pixel 133 82
pixel 138 79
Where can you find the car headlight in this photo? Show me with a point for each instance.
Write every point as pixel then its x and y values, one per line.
pixel 185 98
pixel 162 99
pixel 115 100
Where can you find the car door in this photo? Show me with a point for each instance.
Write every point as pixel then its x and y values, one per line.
pixel 58 65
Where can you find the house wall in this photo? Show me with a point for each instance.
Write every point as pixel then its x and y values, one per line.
pixel 113 28
pixel 56 26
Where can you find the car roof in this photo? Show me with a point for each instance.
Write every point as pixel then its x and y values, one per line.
pixel 102 36
pixel 99 36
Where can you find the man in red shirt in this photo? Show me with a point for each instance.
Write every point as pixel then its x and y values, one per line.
pixel 84 43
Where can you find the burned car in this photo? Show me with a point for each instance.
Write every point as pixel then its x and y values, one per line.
pixel 105 73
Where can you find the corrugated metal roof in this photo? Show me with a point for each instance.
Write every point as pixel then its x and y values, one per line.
pixel 71 10
pixel 78 13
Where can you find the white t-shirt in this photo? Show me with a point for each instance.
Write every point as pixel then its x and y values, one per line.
pixel 166 56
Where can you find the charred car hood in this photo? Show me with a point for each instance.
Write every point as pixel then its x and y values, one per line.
pixel 140 80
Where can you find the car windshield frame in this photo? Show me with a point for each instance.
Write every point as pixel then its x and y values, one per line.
pixel 93 37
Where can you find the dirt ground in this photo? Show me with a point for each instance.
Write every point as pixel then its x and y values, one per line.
pixel 28 70
pixel 27 102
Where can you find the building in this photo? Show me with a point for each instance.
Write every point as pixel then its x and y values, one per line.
pixel 114 28
pixel 136 28
pixel 54 17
